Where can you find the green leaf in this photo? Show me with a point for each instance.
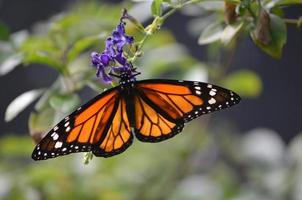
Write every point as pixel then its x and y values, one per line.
pixel 82 45
pixel 230 32
pixel 18 38
pixel 41 50
pixel 21 102
pixel 211 33
pixel 43 57
pixel 64 102
pixel 4 32
pixel 156 7
pixel 10 63
pixel 278 33
pixel 247 83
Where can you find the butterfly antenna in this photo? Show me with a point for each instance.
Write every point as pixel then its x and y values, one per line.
pixel 114 75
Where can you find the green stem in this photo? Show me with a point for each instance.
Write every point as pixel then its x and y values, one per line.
pixel 259 7
pixel 139 48
pixel 292 21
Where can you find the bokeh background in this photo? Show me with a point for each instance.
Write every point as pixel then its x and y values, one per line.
pixel 252 151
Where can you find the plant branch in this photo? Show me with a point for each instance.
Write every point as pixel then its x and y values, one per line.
pixel 297 22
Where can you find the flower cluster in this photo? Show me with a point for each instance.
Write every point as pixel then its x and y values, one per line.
pixel 112 58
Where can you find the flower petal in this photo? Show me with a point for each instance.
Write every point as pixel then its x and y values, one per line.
pixel 105 58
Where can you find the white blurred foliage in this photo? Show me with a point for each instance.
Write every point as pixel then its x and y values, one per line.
pixel 197 25
pixel 168 53
pixel 197 73
pixel 31 194
pixel 295 158
pixel 297 188
pixel 5 185
pixel 191 10
pixel 197 187
pixel 141 11
pixel 263 146
pixel 294 150
pixel 19 37
pixel 79 167
pixel 251 195
pixel 275 182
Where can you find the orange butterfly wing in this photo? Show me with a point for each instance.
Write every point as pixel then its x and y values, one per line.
pixel 163 106
pixel 90 128
pixel 157 110
pixel 118 137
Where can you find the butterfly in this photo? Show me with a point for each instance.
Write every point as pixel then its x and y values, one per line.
pixel 153 110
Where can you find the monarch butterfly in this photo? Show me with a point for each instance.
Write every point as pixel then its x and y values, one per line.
pixel 152 110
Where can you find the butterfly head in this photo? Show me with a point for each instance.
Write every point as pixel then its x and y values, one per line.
pixel 127 75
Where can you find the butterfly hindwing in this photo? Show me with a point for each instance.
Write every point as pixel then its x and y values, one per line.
pixel 151 124
pixel 118 136
pixel 177 102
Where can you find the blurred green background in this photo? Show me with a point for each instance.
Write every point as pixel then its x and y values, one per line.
pixel 249 152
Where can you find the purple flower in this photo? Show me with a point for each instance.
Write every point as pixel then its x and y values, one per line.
pixel 100 59
pixel 109 49
pixel 120 39
pixel 121 59
pixel 113 56
pixel 101 73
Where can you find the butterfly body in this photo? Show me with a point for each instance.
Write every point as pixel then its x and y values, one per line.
pixel 152 110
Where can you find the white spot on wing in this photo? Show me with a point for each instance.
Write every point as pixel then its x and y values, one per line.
pixel 58 144
pixel 67 129
pixel 55 136
pixel 212 101
pixel 66 124
pixel 212 93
